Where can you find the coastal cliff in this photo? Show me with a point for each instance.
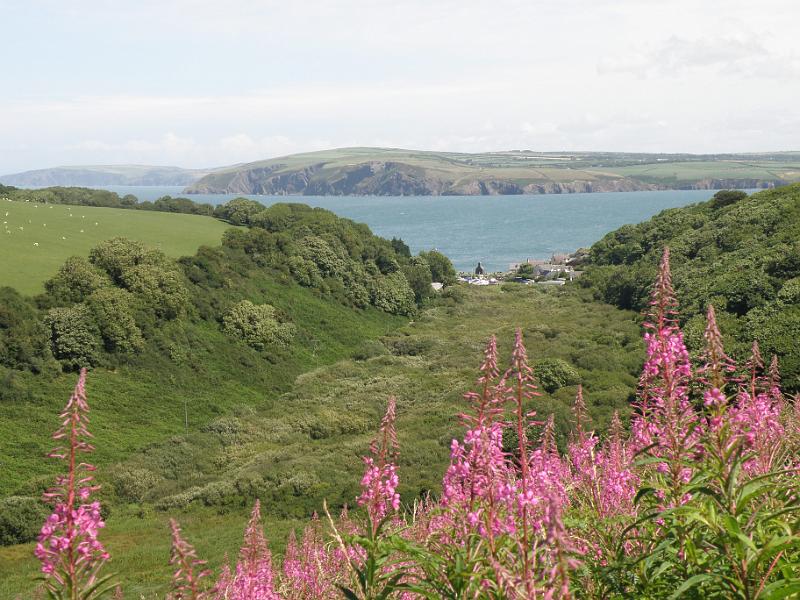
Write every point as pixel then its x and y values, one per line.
pixel 392 172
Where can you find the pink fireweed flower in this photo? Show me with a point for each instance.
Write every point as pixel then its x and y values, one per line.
pixel 312 569
pixel 380 480
pixel 718 367
pixel 188 569
pixel 714 398
pixel 254 577
pixel 68 545
pixel 665 419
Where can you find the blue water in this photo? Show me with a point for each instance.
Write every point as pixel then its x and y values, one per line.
pixel 496 230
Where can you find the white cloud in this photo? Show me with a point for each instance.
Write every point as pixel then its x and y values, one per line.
pixel 742 56
pixel 199 83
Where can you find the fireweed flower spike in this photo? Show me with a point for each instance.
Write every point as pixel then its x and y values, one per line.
pixel 523 389
pixel 718 367
pixel 189 572
pixel 68 548
pixel 253 579
pixel 380 480
pixel 666 417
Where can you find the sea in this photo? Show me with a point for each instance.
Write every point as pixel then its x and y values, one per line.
pixel 493 230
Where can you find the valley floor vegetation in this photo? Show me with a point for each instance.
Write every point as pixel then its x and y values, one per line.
pixel 697 498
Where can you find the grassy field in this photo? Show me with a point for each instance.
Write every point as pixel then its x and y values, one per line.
pixel 296 448
pixel 726 169
pixel 36 238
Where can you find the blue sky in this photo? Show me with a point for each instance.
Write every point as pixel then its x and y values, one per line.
pixel 206 83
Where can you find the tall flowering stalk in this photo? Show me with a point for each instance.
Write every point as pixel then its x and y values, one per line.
pixel 666 424
pixel 523 389
pixel 189 571
pixel 379 483
pixel 68 546
pixel 253 578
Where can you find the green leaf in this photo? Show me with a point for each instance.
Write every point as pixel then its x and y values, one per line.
pixel 690 583
pixel 348 593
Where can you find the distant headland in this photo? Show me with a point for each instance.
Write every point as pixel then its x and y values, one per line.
pixel 396 172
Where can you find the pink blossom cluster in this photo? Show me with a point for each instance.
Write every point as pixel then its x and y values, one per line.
pixel 68 545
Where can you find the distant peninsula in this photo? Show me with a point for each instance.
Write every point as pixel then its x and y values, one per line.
pixel 94 175
pixel 396 172
pixel 393 172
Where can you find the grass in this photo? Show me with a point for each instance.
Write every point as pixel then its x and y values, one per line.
pixel 61 231
pixel 728 169
pixel 293 449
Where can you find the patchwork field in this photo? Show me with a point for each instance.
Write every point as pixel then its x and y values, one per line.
pixel 36 238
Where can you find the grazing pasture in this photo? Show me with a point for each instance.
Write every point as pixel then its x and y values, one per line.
pixel 36 238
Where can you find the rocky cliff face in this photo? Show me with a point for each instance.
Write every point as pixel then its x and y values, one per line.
pixel 388 178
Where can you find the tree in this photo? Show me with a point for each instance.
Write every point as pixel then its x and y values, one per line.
pixel 391 293
pixel 442 269
pixel 23 340
pixel 112 311
pixel 73 336
pixel 400 247
pixel 75 280
pixel 117 255
pixel 160 289
pixel 257 325
pixel 727 197
pixel 238 211
pixel 418 274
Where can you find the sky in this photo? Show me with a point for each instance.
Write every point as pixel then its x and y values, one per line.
pixel 202 83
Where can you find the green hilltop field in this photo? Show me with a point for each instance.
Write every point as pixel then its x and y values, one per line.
pixel 392 171
pixel 61 231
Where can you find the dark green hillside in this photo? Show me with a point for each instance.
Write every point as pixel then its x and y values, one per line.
pixel 740 253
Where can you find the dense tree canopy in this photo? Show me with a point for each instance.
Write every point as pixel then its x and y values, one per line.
pixel 739 253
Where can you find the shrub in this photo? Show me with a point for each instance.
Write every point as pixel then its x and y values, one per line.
pixel 132 484
pixel 391 293
pixel 74 337
pixel 257 325
pixel 369 349
pixel 304 271
pixel 409 345
pixel 21 518
pixel 554 373
pixel 75 280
